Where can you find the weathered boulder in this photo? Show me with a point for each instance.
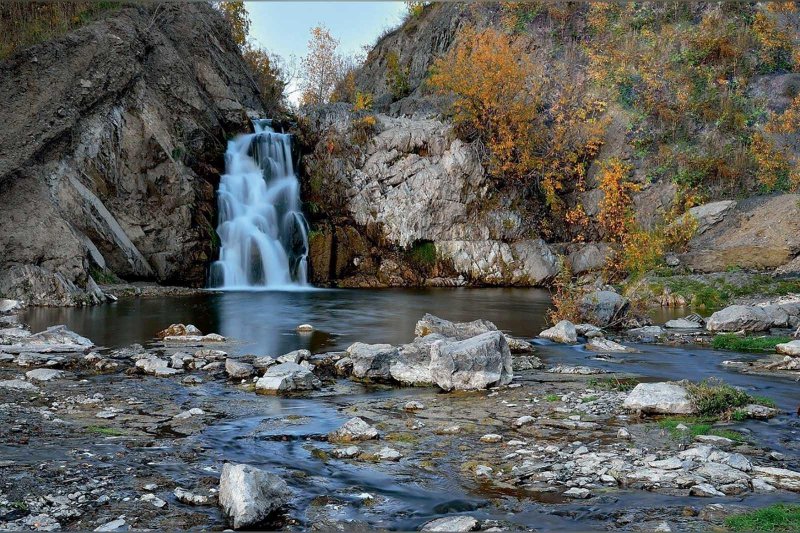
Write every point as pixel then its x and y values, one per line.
pixel 238 369
pixel 287 377
pixel 475 363
pixel 355 429
pixel 710 214
pixel 412 364
pixel 739 318
pixel 603 308
pixel 248 495
pixel 788 348
pixel 659 398
pixel 54 339
pixel 43 374
pixel 563 332
pixel 296 356
pixel 179 330
pixel 372 361
pixel 156 366
pixel 606 345
pixel 430 324
pixel 779 477
pixel 588 258
pixel 682 323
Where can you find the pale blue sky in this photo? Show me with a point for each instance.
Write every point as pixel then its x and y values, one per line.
pixel 283 27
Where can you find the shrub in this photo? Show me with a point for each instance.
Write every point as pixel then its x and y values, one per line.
pixel 615 215
pixel 565 295
pixel 396 76
pixel 496 89
pixel 714 398
pixel 423 254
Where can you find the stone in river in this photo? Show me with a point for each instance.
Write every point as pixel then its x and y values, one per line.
pixel 606 345
pixel 739 318
pixel 430 324
pixel 388 454
pixel 43 374
pixel 179 330
pixel 788 348
pixel 682 323
pixel 355 429
pixel 305 328
pixel 476 363
pixel 297 356
pixel 248 495
pixel 18 384
pixel 287 377
pixel 238 370
pixel 705 490
pixel 563 332
pixel 451 523
pixel 372 361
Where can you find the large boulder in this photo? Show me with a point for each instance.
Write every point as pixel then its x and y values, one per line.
pixel 602 308
pixel 477 363
pixel 248 495
pixel 739 318
pixel 372 361
pixel 788 348
pixel 54 339
pixel 287 377
pixel 412 366
pixel 563 332
pixel 659 398
pixel 430 324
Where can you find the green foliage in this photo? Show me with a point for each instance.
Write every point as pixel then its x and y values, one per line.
pixel 423 254
pixel 747 344
pixel 697 426
pixel 397 76
pixel 713 398
pixel 779 517
pixel 552 398
pixel 105 431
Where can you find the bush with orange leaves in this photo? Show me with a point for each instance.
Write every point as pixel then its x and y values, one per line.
pixel 496 87
pixel 615 215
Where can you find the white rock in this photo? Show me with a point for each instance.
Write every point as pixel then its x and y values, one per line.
pixel 705 490
pixel 606 345
pixel 388 454
pixel 476 363
pixel 624 434
pixel 8 305
pixel 194 411
pixel 523 421
pixel 114 525
pixel 563 332
pixel 355 429
pixel 249 495
pixel 43 374
pixel 451 523
pixel 18 384
pixel 190 498
pixel 287 377
pixel 238 369
pixel 347 452
pixel 659 398
pixel 305 328
pixel 578 493
pixel 739 318
pixel 788 348
pixel 682 323
pixel 781 478
pixel 491 438
pixel 714 440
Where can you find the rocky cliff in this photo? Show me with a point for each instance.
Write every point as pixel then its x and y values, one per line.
pixel 111 149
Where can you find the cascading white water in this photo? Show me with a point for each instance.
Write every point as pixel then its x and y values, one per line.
pixel 263 233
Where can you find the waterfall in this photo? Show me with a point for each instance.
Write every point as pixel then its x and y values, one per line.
pixel 262 230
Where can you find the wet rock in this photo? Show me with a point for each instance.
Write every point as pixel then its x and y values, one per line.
pixel 789 348
pixel 238 370
pixel 739 318
pixel 705 490
pixel 476 363
pixel 603 308
pixel 430 324
pixel 518 345
pixel 412 363
pixel 720 474
pixel 209 354
pixel 682 323
pixel 179 330
pixel 195 339
pixel 483 471
pixel 388 454
pixel 590 331
pixel 41 522
pixel 305 328
pixel 451 523
pixel 194 411
pixel 43 374
pixel 248 495
pixel 781 478
pixel 372 361
pixel 18 384
pixel 492 438
pixel 347 452
pixel 523 421
pixel 156 366
pixel 578 493
pixel 157 502
pixel 526 362
pixel 55 339
pixel 414 405
pixel 180 360
pixel 190 498
pixel 606 345
pixel 262 363
pixel 760 412
pixel 296 356
pixel 659 398
pixel 581 370
pixel 115 525
pixel 563 332
pixel 355 429
pixel 623 434
pixel 287 377
pixel 714 440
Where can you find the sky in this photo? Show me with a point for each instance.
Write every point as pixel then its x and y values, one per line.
pixel 283 27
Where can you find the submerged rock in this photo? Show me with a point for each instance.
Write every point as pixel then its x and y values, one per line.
pixel 659 398
pixel 563 332
pixel 287 377
pixel 248 495
pixel 355 429
pixel 476 363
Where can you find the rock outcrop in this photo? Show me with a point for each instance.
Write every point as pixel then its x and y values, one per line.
pixel 110 155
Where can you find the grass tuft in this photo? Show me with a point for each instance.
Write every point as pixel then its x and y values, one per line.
pixel 779 517
pixel 747 344
pixel 697 426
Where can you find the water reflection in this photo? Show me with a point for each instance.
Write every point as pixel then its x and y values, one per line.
pixel 265 322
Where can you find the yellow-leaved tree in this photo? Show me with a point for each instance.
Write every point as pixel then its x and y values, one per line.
pixel 322 68
pixel 496 87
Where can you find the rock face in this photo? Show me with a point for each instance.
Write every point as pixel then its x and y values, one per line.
pixel 114 171
pixel 475 363
pixel 758 233
pixel 659 398
pixel 248 495
pixel 739 318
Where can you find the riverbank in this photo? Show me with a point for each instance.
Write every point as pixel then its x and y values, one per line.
pixel 102 442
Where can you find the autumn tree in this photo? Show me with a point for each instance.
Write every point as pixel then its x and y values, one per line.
pixel 322 68
pixel 496 88
pixel 238 19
